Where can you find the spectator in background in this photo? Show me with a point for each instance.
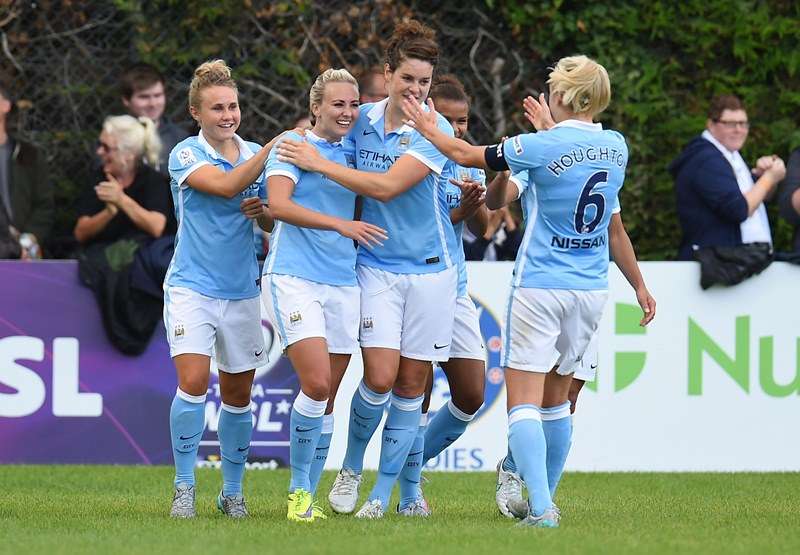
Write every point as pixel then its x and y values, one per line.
pixel 26 194
pixel 143 95
pixel 503 234
pixel 719 203
pixel 790 197
pixel 372 85
pixel 131 200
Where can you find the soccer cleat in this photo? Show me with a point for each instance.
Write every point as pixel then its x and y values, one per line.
pixel 549 519
pixel 300 506
pixel 371 509
pixel 509 486
pixel 183 502
pixel 518 507
pixel 344 493
pixel 232 506
pixel 418 508
pixel 317 512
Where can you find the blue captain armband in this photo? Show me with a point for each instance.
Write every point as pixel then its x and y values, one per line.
pixel 493 155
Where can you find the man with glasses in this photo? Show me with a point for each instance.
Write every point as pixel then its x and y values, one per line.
pixel 720 200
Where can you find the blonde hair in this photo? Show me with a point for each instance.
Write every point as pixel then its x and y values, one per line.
pixel 137 136
pixel 210 74
pixel 317 91
pixel 583 84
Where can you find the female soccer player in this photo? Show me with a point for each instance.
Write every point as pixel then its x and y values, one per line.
pixel 310 288
pixel 560 277
pixel 408 284
pixel 211 294
pixel 466 368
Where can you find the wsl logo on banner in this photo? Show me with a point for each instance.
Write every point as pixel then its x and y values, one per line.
pixel 274 388
pixel 470 458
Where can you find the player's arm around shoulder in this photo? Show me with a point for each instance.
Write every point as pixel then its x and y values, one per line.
pixel 199 173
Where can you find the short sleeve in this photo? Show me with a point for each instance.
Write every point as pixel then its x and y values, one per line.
pixel 521 180
pixel 424 151
pixel 617 209
pixel 184 160
pixel 277 167
pixel 478 175
pixel 524 152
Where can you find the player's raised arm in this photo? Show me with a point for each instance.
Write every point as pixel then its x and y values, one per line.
pixel 458 150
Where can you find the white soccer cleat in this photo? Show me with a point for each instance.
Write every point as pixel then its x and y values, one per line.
pixel 371 510
pixel 344 493
pixel 509 486
pixel 417 508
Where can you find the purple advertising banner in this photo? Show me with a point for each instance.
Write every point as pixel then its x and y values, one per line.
pixel 67 396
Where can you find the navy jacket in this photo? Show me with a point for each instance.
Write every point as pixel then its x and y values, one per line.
pixel 710 205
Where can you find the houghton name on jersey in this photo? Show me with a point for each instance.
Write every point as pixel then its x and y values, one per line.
pixel 569 180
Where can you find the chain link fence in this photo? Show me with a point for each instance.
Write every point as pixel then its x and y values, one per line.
pixel 62 59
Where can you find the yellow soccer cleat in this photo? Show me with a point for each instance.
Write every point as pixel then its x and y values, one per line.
pixel 300 506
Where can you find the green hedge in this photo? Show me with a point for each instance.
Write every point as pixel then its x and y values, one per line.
pixel 666 60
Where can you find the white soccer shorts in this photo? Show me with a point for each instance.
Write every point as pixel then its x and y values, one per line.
pixel 467 340
pixel 586 369
pixel 412 313
pixel 299 309
pixel 548 327
pixel 228 330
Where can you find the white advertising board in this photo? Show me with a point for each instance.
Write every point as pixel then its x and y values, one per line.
pixel 713 384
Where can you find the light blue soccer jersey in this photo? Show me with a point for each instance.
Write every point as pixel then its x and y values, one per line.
pixel 453 199
pixel 317 255
pixel 417 222
pixel 214 252
pixel 574 173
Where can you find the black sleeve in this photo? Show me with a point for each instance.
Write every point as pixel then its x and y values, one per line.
pixel 476 250
pixel 790 184
pixel 157 196
pixel 88 204
pixel 493 155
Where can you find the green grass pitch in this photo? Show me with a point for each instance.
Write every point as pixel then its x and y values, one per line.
pixel 106 509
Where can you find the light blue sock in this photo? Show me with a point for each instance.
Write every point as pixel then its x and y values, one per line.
pixel 412 470
pixel 366 410
pixel 187 421
pixel 526 439
pixel 321 452
pixel 235 429
pixel 508 464
pixel 557 426
pixel 446 427
pixel 399 432
pixel 305 429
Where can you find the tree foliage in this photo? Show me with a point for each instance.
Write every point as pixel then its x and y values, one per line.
pixel 666 59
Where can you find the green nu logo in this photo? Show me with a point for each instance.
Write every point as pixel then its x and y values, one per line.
pixel 628 365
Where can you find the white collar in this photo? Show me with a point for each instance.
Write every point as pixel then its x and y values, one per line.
pixel 729 154
pixel 378 111
pixel 578 124
pixel 317 139
pixel 244 150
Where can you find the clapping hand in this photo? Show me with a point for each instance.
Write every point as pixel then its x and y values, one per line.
pixel 109 191
pixel 538 112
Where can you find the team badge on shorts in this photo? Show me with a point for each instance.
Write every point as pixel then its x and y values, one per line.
pixel 179 331
pixel 366 323
pixel 295 317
